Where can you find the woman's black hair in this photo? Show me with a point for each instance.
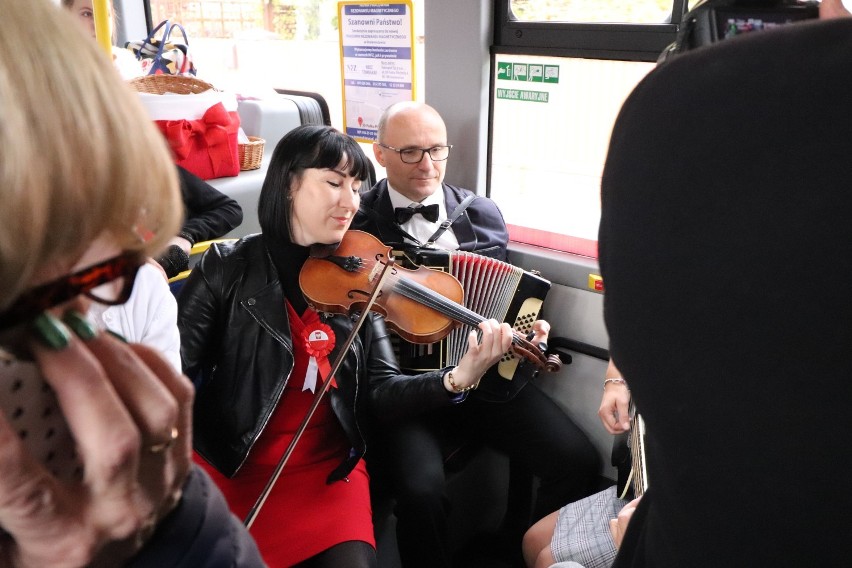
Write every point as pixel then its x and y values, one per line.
pixel 304 147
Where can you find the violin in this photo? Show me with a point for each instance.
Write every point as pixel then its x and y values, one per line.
pixel 422 305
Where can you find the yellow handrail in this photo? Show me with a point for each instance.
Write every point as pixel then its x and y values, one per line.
pixel 197 249
pixel 102 25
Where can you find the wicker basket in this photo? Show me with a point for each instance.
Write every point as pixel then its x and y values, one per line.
pixel 177 84
pixel 251 153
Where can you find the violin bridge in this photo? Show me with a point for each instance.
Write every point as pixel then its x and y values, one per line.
pixel 377 268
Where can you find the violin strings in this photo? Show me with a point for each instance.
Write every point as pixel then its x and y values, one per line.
pixel 418 292
pixel 428 297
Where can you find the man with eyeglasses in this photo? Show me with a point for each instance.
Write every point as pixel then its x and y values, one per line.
pixel 407 208
pixel 414 209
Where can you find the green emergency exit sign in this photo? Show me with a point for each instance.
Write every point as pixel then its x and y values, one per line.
pixel 521 95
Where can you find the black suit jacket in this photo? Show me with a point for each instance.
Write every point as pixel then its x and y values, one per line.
pixel 479 229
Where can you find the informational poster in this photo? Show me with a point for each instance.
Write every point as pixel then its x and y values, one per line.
pixel 376 62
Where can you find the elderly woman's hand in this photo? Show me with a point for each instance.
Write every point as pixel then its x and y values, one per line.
pixel 129 413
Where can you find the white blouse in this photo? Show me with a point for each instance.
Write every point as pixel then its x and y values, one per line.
pixel 148 317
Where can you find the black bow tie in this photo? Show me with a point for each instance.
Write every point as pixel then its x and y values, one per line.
pixel 404 214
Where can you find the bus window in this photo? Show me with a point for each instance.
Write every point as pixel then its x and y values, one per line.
pixel 551 125
pixel 561 70
pixel 254 46
pixel 593 11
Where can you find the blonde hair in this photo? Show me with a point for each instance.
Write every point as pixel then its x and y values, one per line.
pixel 79 155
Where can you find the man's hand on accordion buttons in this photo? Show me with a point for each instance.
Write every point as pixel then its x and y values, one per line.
pixel 540 331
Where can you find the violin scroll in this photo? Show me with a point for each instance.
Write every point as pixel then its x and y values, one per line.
pixel 553 364
pixel 537 354
pixel 524 348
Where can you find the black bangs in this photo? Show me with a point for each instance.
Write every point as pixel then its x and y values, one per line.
pixel 333 147
pixel 304 147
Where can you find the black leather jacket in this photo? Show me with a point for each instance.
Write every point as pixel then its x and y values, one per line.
pixel 236 346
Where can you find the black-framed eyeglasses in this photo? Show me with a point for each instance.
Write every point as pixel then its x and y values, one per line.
pixel 414 155
pixel 119 272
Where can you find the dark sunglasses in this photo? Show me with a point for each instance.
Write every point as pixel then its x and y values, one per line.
pixel 88 281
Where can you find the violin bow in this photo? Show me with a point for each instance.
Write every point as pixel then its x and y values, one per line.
pixel 338 361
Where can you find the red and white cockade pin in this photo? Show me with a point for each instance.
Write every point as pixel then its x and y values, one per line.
pixel 319 341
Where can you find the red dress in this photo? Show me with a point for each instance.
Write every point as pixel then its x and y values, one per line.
pixel 302 515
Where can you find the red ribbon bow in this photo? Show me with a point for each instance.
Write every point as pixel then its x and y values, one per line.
pixel 212 128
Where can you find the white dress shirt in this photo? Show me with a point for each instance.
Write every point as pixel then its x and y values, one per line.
pixel 421 228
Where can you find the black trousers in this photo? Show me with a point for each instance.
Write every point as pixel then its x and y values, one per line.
pixel 531 429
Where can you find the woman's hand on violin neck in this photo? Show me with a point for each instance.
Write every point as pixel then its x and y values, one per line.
pixel 482 354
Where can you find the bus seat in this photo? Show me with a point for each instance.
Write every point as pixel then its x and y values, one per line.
pixel 317 113
pixel 176 282
pixel 313 109
pixel 371 179
pixel 270 118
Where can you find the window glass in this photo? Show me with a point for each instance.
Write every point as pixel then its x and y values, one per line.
pixel 254 46
pixel 552 122
pixel 593 11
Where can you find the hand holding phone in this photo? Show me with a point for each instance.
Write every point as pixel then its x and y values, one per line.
pixel 125 411
pixel 29 405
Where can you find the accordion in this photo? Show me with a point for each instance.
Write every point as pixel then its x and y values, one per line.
pixel 492 289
